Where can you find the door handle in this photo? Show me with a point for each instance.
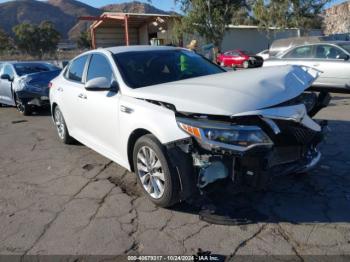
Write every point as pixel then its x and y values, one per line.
pixel 60 89
pixel 82 96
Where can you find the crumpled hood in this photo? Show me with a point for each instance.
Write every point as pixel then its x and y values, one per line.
pixel 36 82
pixel 231 92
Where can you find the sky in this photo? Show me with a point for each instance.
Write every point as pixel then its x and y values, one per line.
pixel 167 5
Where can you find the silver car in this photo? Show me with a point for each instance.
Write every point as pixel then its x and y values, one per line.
pixel 330 58
pixel 25 84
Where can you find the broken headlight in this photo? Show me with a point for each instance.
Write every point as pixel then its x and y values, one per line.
pixel 224 135
pixel 307 98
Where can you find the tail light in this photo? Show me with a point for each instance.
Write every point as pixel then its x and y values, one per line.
pixel 49 85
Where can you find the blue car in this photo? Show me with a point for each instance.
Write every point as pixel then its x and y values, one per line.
pixel 25 84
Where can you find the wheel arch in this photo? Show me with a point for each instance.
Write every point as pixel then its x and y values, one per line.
pixel 53 106
pixel 134 136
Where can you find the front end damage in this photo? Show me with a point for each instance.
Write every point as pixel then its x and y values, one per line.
pixel 246 150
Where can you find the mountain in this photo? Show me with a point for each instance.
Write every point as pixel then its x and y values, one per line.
pixel 133 7
pixel 63 13
pixel 31 11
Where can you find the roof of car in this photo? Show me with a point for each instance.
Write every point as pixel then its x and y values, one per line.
pixel 26 63
pixel 133 48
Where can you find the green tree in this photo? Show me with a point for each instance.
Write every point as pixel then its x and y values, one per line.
pixel 84 40
pixel 5 41
pixel 301 14
pixel 271 15
pixel 36 40
pixel 49 37
pixel 25 38
pixel 208 18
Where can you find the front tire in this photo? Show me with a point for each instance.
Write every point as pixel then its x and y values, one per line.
pixel 61 127
pixel 155 175
pixel 23 107
pixel 245 64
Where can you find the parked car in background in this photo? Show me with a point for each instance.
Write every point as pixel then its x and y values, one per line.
pixel 331 58
pixel 279 46
pixel 182 123
pixel 239 58
pixel 264 54
pixel 25 84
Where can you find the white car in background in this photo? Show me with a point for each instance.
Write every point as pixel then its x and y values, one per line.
pixel 182 123
pixel 264 54
pixel 332 59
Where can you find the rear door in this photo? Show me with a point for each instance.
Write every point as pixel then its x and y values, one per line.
pixel 69 92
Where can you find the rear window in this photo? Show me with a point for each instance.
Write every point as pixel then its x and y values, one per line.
pixel 25 69
pixel 300 52
pixel 346 47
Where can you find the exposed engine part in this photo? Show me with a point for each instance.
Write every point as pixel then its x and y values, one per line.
pixel 272 124
pixel 184 144
pixel 209 170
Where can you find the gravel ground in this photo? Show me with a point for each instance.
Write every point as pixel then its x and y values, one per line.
pixel 69 200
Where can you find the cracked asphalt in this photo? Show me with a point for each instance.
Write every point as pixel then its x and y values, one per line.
pixel 69 200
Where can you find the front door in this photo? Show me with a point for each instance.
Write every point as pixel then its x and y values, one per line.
pixel 101 114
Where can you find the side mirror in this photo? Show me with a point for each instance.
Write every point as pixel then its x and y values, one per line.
pixel 343 57
pixel 7 77
pixel 98 84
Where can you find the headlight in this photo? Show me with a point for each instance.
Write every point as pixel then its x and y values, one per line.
pixel 236 137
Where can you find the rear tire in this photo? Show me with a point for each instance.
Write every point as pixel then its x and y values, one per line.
pixel 23 107
pixel 157 178
pixel 61 127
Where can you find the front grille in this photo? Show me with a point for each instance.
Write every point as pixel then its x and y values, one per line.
pixel 302 135
pixel 294 134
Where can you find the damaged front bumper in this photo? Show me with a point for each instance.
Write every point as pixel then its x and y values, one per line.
pixel 40 99
pixel 278 141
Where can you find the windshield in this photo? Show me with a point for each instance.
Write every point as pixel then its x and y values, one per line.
pixel 26 68
pixel 346 47
pixel 145 68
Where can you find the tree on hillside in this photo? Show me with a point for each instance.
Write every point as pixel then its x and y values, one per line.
pixel 36 40
pixel 49 37
pixel 208 18
pixel 302 14
pixel 84 40
pixel 5 41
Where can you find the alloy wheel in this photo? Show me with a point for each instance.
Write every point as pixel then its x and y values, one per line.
pixel 59 124
pixel 19 105
pixel 150 172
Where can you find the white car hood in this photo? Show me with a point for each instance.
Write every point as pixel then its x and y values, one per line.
pixel 231 92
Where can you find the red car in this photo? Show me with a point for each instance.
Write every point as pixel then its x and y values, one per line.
pixel 239 58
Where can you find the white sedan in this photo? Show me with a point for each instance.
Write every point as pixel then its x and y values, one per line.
pixel 182 123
